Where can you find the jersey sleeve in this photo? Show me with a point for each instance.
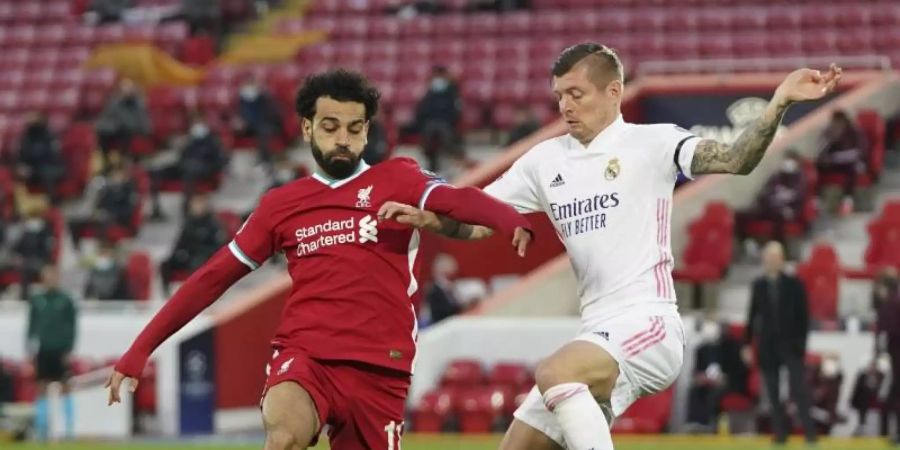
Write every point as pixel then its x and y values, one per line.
pixel 678 149
pixel 255 241
pixel 517 188
pixel 422 181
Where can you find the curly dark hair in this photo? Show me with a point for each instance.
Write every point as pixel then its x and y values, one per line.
pixel 341 85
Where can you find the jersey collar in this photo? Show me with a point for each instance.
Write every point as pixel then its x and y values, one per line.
pixel 602 141
pixel 333 183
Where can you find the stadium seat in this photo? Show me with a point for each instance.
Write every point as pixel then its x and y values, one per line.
pixel 649 415
pixel 198 51
pixel 479 409
pixel 820 274
pixel 514 375
pixel 431 413
pixel 463 373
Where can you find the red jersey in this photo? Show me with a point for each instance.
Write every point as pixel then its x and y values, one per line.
pixel 353 278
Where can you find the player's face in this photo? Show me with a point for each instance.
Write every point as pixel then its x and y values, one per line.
pixel 337 135
pixel 586 108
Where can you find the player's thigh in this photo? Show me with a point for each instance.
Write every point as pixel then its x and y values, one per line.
pixel 521 436
pixel 579 362
pixel 289 416
pixel 372 418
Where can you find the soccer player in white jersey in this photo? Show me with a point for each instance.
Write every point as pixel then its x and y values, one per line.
pixel 607 187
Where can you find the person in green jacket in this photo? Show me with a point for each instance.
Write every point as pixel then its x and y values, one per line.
pixel 51 338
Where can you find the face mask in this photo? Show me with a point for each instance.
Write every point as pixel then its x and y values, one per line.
pixel 789 166
pixel 285 175
pixel 439 84
pixel 104 263
pixel 34 224
pixel 884 364
pixel 249 92
pixel 830 368
pixel 199 130
pixel 709 332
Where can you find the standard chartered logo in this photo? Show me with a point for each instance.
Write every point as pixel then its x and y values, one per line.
pixel 368 230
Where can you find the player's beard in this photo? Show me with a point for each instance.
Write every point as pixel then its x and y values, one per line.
pixel 339 163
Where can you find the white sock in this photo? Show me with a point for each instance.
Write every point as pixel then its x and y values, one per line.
pixel 578 413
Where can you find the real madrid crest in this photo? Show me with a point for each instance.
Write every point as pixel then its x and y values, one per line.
pixel 612 169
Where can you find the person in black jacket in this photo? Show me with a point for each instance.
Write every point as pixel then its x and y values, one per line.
pixel 202 158
pixel 40 160
pixel 115 204
pixel 437 116
pixel 34 248
pixel 201 235
pixel 779 319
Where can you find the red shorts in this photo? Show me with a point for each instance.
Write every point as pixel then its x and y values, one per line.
pixel 362 404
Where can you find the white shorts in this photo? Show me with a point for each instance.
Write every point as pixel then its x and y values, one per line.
pixel 647 342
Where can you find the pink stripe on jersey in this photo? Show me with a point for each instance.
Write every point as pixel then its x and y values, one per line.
pixel 654 325
pixel 654 332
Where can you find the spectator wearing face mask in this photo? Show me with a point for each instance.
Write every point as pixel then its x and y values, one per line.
pixel 867 390
pixel 442 303
pixel 437 118
pixel 106 279
pixel 844 150
pixel 259 117
pixel 202 159
pixel 377 147
pixel 40 161
pixel 884 284
pixel 34 248
pixel 202 234
pixel 115 203
pixel 124 118
pixel 825 392
pixel 718 370
pixel 781 200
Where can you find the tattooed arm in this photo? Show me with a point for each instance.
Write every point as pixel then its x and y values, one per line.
pixel 457 230
pixel 428 220
pixel 744 154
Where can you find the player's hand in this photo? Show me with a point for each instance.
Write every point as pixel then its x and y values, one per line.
pixel 521 239
pixel 808 84
pixel 114 383
pixel 409 215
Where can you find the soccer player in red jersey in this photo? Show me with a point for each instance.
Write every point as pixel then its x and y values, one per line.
pixel 346 345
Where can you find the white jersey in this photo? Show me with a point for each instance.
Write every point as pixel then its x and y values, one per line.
pixel 610 204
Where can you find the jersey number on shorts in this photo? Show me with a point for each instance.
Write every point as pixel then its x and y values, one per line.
pixel 394 431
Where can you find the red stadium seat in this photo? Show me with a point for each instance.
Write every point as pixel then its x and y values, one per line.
pixel 433 410
pixel 649 415
pixel 513 375
pixel 480 408
pixel 463 373
pixel 820 274
pixel 198 51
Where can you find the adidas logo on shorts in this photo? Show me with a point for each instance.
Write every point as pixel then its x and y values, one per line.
pixel 558 181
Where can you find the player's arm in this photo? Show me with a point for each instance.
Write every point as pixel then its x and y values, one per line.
pixel 427 220
pixel 741 157
pixel 252 245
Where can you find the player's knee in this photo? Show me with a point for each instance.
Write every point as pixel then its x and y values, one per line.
pixel 279 439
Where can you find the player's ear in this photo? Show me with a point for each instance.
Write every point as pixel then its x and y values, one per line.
pixel 306 125
pixel 615 88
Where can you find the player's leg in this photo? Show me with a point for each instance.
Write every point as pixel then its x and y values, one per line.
pixel 571 382
pixel 372 407
pixel 521 436
pixel 534 427
pixel 290 417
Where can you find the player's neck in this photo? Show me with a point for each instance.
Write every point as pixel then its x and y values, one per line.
pixel 603 126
